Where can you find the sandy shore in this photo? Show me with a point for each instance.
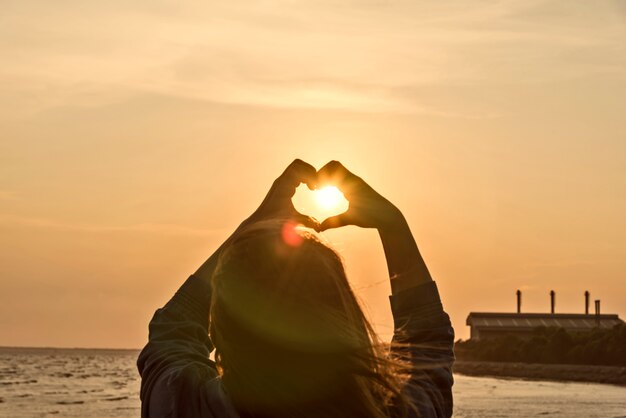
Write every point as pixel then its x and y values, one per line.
pixel 558 372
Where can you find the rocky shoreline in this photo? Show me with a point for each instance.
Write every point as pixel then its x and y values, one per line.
pixel 556 372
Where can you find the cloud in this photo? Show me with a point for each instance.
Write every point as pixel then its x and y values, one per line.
pixel 8 195
pixel 353 56
pixel 149 228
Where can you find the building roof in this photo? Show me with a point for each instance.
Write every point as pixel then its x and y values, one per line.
pixel 529 321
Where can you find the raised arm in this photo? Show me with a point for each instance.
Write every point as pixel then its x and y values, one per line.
pixel 422 330
pixel 175 368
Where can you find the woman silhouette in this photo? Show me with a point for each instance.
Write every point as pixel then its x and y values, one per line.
pixel 290 338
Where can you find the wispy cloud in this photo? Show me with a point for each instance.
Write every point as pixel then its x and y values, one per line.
pixel 8 195
pixel 276 53
pixel 149 228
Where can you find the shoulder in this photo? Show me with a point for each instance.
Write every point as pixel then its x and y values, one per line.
pixel 189 392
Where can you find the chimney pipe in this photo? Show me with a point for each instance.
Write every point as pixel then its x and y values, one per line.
pixel 586 302
pixel 598 307
pixel 519 301
pixel 552 295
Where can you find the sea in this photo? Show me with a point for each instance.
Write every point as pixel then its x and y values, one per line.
pixel 48 382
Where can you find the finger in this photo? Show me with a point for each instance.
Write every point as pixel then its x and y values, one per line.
pixel 336 222
pixel 333 169
pixel 308 221
pixel 300 172
pixel 335 173
pixel 297 172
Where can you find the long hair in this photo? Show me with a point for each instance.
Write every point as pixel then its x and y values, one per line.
pixel 291 339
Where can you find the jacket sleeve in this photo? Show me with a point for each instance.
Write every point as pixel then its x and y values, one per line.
pixel 175 364
pixel 424 336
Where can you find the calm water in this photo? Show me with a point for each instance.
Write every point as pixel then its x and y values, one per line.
pixel 104 383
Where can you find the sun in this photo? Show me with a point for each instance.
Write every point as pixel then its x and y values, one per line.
pixel 320 203
pixel 329 197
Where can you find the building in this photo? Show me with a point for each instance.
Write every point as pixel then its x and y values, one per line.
pixel 485 325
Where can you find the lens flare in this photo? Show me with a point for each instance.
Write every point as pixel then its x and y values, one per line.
pixel 291 235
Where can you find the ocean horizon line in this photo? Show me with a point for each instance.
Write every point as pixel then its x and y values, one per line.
pixel 13 347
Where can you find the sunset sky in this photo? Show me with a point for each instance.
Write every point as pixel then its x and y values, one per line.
pixel 136 136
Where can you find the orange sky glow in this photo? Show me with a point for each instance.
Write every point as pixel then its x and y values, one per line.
pixel 134 138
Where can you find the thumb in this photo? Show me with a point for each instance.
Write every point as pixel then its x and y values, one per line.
pixel 336 222
pixel 308 221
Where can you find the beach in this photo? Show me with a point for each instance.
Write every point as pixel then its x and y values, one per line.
pixel 551 372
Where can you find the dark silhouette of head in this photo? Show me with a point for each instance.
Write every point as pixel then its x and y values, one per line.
pixel 291 339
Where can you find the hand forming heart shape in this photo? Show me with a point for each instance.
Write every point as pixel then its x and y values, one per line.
pixel 366 208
